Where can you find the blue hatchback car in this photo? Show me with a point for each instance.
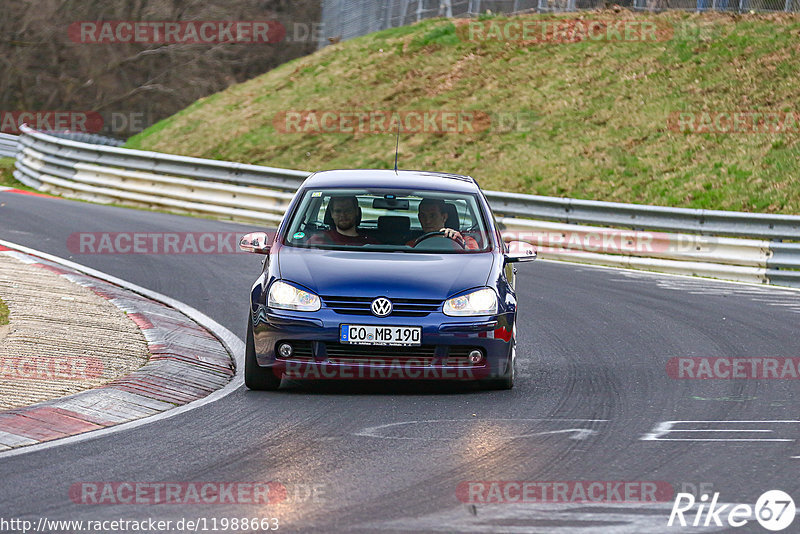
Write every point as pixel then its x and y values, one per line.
pixel 381 274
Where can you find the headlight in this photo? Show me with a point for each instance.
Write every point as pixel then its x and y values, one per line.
pixel 480 302
pixel 287 297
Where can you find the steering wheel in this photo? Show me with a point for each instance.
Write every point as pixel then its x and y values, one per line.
pixel 460 242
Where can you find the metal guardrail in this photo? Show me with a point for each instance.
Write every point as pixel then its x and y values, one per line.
pixel 68 151
pixel 192 185
pixel 708 243
pixel 8 145
pixel 83 137
pixel 9 142
pixel 693 221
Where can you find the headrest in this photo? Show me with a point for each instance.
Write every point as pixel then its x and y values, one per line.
pixel 452 216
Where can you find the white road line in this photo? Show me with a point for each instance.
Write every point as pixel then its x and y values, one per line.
pixel 719 430
pixel 737 421
pixel 579 433
pixel 232 343
pixel 775 291
pixel 664 428
pixel 722 439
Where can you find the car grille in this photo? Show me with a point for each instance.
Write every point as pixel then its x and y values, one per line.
pixel 400 307
pixel 361 354
pixel 302 351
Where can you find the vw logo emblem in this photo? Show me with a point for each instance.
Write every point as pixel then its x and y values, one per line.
pixel 381 307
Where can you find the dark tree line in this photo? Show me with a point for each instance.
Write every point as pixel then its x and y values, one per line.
pixel 43 69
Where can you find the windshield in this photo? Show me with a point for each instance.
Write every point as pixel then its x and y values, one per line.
pixel 386 220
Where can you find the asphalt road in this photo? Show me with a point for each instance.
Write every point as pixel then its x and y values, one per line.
pixel 593 347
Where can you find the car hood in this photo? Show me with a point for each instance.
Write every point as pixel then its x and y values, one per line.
pixel 373 274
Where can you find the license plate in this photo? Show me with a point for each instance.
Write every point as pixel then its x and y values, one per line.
pixel 358 334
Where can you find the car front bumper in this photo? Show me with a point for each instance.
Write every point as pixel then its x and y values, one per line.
pixel 443 355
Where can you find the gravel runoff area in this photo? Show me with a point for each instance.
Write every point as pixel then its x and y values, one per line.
pixel 186 362
pixel 62 338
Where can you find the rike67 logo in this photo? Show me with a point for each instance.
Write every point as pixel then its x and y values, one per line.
pixel 774 510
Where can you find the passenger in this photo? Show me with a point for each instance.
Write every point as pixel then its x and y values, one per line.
pixel 343 215
pixel 433 218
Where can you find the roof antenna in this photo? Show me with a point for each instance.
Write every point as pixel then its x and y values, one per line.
pixel 397 147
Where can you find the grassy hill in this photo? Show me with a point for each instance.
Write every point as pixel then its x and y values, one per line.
pixel 585 119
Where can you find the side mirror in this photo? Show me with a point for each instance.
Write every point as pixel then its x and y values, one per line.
pixel 257 242
pixel 519 251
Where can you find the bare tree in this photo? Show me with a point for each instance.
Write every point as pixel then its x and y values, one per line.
pixel 43 68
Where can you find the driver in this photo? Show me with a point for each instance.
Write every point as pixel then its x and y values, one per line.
pixel 433 217
pixel 346 216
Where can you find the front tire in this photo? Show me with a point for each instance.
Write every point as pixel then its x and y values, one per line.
pixel 503 383
pixel 506 381
pixel 256 377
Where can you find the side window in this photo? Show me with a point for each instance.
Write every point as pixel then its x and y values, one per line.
pixel 314 219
